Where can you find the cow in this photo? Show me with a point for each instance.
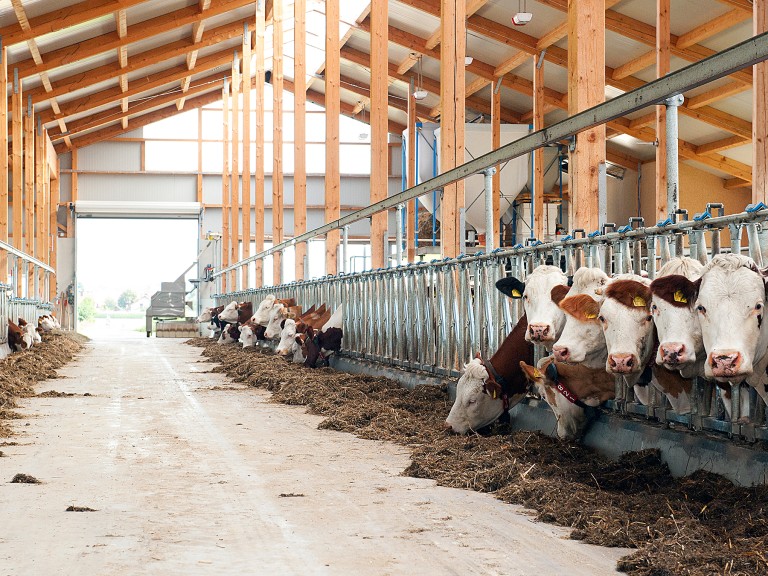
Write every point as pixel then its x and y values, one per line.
pixel 335 321
pixel 18 339
pixel 672 306
pixel 486 390
pixel 319 344
pixel 229 313
pixel 582 340
pixel 545 318
pixel 730 300
pixel 250 332
pixel 229 334
pixel 288 346
pixel 46 323
pixel 279 313
pixel 571 390
pixel 293 332
pixel 244 312
pixel 211 315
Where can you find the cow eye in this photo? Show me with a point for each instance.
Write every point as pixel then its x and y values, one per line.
pixel 653 307
pixel 601 318
pixel 758 306
pixel 649 318
pixel 701 309
pixel 472 401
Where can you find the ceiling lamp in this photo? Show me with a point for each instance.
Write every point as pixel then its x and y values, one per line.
pixel 364 132
pixel 419 93
pixel 467 59
pixel 523 16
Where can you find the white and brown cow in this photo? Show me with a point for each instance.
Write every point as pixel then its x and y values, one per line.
pixel 582 340
pixel 545 318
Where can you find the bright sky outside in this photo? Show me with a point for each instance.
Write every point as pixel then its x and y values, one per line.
pixel 115 255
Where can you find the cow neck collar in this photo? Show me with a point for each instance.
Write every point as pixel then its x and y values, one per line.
pixel 567 393
pixel 502 382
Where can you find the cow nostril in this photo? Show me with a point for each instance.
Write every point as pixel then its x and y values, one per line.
pixel 630 361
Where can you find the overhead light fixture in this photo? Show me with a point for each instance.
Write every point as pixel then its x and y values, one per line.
pixel 468 60
pixel 523 16
pixel 364 132
pixel 419 93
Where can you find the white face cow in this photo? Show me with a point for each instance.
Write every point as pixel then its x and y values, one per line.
pixel 545 318
pixel 205 316
pixel 627 324
pixel 27 337
pixel 473 408
pixel 247 335
pixel 47 323
pixel 229 335
pixel 677 324
pixel 582 340
pixel 229 314
pixel 288 345
pixel 261 316
pixel 731 305
pixel 276 316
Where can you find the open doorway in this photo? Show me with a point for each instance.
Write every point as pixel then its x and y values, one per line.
pixel 121 263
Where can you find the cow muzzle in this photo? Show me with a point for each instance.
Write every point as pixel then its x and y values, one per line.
pixel 540 332
pixel 726 363
pixel 561 353
pixel 623 363
pixel 673 354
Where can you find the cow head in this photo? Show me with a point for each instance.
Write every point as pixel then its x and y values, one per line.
pixel 627 324
pixel 46 323
pixel 261 316
pixel 276 316
pixel 591 386
pixel 229 314
pixel 230 334
pixel 205 316
pixel 545 319
pixel 248 335
pixel 731 306
pixel 287 346
pixel 478 400
pixel 310 347
pixel 673 308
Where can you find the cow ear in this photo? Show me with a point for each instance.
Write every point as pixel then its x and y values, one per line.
pixel 559 292
pixel 511 287
pixel 531 373
pixel 282 324
pixel 570 281
pixel 478 356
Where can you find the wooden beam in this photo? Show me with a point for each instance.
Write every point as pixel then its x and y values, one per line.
pixel 721 144
pixel 410 147
pixel 226 198
pixel 734 183
pixel 407 63
pixel 538 155
pixel 259 49
pixel 452 84
pixel 622 159
pixel 234 191
pixel 712 27
pixel 379 136
pixel 715 94
pixel 332 111
pixel 277 140
pixel 760 111
pixel 38 205
pixel 111 41
pixel 54 210
pixel 510 63
pixel 586 88
pixel 74 194
pixel 29 178
pixel 246 181
pixel 662 53
pixel 300 134
pixel 744 5
pixel 495 144
pixel 635 65
pixel 197 35
pixel 3 160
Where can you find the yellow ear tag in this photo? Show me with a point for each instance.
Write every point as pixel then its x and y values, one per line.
pixel 494 395
pixel 638 301
pixel 516 293
pixel 590 316
pixel 678 296
pixel 536 373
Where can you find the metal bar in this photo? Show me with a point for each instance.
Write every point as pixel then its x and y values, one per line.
pixel 673 177
pixel 745 54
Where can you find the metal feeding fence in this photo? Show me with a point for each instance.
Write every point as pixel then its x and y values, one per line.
pixel 434 317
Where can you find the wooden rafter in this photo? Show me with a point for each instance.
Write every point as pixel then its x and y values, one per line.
pixel 197 35
pixel 121 24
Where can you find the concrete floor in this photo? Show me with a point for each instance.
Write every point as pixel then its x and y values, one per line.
pixel 189 480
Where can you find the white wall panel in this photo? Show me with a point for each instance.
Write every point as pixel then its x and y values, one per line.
pixel 138 187
pixel 110 156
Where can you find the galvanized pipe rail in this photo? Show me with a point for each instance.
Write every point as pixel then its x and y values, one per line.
pixel 745 54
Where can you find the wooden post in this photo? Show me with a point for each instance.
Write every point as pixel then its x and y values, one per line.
pixel 55 195
pixel 3 160
pixel 17 111
pixel 277 139
pixel 332 111
pixel 496 143
pixel 410 213
pixel 259 168
pixel 662 68
pixel 379 135
pixel 39 203
pixel 234 245
pixel 246 185
pixel 452 91
pixel 199 155
pixel 225 197
pixel 538 156
pixel 760 111
pixel 75 188
pixel 586 88
pixel 300 133
pixel 29 191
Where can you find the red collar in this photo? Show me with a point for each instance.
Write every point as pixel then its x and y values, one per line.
pixel 567 393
